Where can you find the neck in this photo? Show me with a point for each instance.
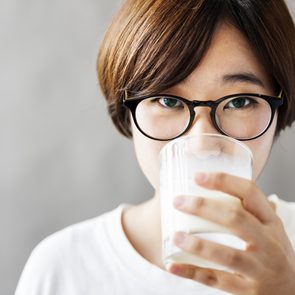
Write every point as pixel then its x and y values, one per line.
pixel 142 226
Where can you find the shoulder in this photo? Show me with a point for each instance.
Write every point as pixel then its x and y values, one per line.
pixel 72 238
pixel 69 252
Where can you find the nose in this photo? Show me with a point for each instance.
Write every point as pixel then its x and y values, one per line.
pixel 202 123
pixel 203 146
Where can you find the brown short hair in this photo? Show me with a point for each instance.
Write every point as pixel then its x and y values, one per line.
pixel 154 44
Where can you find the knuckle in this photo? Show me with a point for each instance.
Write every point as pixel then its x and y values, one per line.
pixel 234 259
pixel 207 277
pixel 197 246
pixel 235 216
pixel 218 180
pixel 197 204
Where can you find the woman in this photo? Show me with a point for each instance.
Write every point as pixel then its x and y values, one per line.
pixel 188 50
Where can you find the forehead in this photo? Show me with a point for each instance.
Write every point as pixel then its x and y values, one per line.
pixel 229 53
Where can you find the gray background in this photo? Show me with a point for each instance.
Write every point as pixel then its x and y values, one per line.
pixel 61 159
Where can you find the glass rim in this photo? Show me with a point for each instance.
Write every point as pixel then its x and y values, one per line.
pixel 188 137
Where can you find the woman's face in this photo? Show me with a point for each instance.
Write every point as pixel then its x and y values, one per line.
pixel 229 54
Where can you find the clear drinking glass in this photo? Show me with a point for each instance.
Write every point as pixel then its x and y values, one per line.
pixel 180 160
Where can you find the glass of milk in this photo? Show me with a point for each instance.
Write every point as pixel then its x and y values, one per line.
pixel 180 160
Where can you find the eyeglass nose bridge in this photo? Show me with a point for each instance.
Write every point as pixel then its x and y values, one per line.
pixel 208 103
pixel 212 105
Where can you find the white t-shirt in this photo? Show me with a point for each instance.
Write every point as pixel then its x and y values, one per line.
pixel 94 257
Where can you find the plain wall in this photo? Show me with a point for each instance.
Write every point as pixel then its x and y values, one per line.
pixel 61 159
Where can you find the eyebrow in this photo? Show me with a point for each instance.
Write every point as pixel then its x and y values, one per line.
pixel 247 77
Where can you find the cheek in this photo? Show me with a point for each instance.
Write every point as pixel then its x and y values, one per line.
pixel 147 153
pixel 261 148
pixel 261 151
pixel 148 150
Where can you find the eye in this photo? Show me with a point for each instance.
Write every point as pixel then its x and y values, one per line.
pixel 240 103
pixel 170 102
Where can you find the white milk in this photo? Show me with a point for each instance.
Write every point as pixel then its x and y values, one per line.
pixel 178 180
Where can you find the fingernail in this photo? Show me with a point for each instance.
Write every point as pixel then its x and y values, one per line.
pixel 179 238
pixel 201 177
pixel 178 201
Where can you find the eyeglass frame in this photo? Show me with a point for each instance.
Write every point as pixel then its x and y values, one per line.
pixel 131 103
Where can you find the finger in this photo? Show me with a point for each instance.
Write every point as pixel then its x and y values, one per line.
pixel 230 215
pixel 241 262
pixel 252 198
pixel 272 205
pixel 231 283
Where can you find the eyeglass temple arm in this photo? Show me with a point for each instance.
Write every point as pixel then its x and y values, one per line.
pixel 125 95
pixel 280 94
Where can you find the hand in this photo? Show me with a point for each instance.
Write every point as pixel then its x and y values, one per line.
pixel 266 267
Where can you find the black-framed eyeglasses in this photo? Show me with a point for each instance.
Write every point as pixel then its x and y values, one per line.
pixel 243 116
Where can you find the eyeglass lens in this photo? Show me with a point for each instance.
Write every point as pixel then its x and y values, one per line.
pixel 240 117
